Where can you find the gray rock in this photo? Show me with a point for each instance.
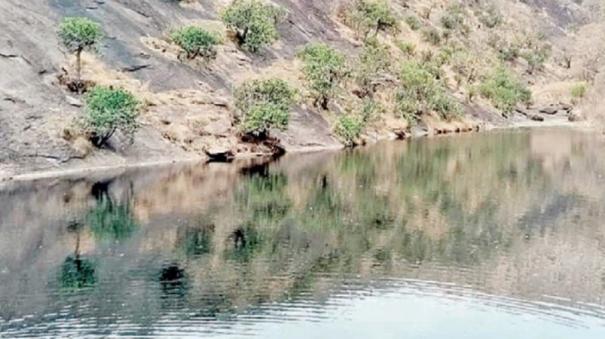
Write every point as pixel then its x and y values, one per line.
pixel 74 101
pixel 551 110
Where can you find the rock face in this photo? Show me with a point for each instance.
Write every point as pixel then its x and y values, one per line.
pixel 189 104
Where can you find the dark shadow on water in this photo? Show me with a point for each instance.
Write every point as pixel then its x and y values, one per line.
pixel 256 170
pixel 173 281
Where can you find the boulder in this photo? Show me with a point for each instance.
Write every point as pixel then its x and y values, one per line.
pixel 550 110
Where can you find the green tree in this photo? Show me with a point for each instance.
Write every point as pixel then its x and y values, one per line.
pixel 504 90
pixel 77 35
pixel 264 104
pixel 254 22
pixel 373 66
pixel 369 16
pixel 421 93
pixel 195 41
pixel 324 69
pixel 107 111
pixel 348 129
pixel 417 85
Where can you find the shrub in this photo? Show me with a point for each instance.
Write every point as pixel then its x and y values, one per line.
pixel 426 12
pixel 504 90
pixel 107 111
pixel 374 62
pixel 471 92
pixel 264 104
pixel 491 17
pixel 578 91
pixel 432 63
pixel 454 19
pixel 407 48
pixel 418 85
pixel 413 22
pixel 465 66
pixel 536 58
pixel 432 36
pixel 451 21
pixel 254 22
pixel 417 78
pixel 77 35
pixel 445 105
pixel 372 15
pixel 324 69
pixel 195 41
pixel 421 93
pixel 445 55
pixel 348 129
pixel 508 52
pixel 370 109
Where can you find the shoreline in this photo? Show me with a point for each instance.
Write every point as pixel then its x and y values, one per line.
pixel 81 171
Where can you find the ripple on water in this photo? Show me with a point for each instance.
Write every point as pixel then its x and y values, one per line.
pixel 488 235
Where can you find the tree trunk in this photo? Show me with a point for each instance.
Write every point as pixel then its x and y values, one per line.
pixel 79 70
pixel 79 65
pixel 242 35
pixel 100 140
pixel 324 102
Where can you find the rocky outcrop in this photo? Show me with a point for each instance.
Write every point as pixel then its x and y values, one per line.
pixel 189 110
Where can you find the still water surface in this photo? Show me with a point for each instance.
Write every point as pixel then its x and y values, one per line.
pixel 497 235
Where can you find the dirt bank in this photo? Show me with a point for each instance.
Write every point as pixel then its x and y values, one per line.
pixel 104 170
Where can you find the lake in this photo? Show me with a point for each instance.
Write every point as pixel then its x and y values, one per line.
pixel 495 235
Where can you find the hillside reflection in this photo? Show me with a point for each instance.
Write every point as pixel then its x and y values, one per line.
pixel 514 215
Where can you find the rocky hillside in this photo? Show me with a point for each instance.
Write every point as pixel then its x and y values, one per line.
pixel 553 47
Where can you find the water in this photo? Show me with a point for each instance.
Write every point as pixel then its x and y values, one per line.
pixel 481 236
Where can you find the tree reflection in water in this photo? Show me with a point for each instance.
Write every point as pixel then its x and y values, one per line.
pixel 109 220
pixel 444 211
pixel 194 241
pixel 77 272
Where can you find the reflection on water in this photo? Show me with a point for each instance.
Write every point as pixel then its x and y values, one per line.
pixel 461 237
